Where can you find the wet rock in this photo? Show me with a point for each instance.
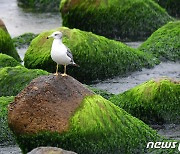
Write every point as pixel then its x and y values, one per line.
pixel 59 111
pixel 154 102
pixel 6 43
pixel 14 79
pixel 8 61
pixel 50 150
pixel 117 19
pixel 98 57
pixel 46 104
pixel 164 43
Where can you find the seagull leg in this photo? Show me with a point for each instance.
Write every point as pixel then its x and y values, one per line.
pixel 64 74
pixel 56 70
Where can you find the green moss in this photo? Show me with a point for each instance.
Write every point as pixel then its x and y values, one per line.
pixel 6 136
pixel 172 6
pixel 165 42
pixel 103 93
pixel 119 19
pixel 98 57
pixel 14 79
pixel 6 45
pixel 23 40
pixel 6 60
pixel 40 5
pixel 97 127
pixel 153 101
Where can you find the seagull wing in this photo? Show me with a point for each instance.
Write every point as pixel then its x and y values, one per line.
pixel 69 54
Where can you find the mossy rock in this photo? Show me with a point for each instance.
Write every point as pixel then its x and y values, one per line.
pixel 40 5
pixel 129 20
pixel 172 6
pixel 6 45
pixel 165 42
pixel 6 136
pixel 101 92
pixel 154 102
pixel 98 57
pixel 6 61
pixel 97 127
pixel 14 79
pixel 23 40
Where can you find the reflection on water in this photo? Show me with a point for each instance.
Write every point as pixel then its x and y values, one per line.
pixel 18 21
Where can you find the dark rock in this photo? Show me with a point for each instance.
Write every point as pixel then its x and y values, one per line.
pixel 46 104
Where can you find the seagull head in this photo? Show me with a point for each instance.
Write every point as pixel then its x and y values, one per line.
pixel 56 35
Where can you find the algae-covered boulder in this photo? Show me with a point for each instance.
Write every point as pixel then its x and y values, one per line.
pixel 6 136
pixel 165 42
pixel 155 101
pixel 98 57
pixel 119 19
pixel 60 112
pixel 6 61
pixel 40 5
pixel 6 45
pixel 24 40
pixel 172 6
pixel 14 79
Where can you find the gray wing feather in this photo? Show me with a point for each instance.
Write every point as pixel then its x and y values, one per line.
pixel 69 54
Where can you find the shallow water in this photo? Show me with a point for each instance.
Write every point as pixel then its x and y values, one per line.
pixel 120 84
pixel 18 21
pixel 10 150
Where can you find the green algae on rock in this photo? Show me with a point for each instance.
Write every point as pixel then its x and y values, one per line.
pixel 14 79
pixel 40 5
pixel 155 101
pixel 6 45
pixel 98 126
pixel 98 57
pixel 105 94
pixel 120 19
pixel 172 6
pixel 165 42
pixel 6 60
pixel 6 136
pixel 24 39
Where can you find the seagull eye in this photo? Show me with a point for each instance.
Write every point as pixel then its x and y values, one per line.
pixel 56 34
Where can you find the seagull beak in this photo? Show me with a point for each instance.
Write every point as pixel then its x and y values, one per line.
pixel 49 36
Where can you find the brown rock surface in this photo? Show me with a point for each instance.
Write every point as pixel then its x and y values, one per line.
pixel 46 104
pixel 2 25
pixel 50 150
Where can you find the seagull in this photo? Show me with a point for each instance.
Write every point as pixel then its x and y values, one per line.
pixel 60 53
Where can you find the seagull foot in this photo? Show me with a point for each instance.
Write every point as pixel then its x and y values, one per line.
pixel 64 74
pixel 56 74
